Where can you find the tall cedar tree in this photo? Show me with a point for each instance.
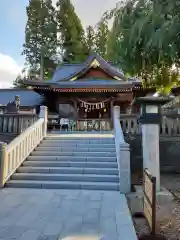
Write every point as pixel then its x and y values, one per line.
pixel 112 42
pixel 90 38
pixel 40 35
pixel 71 33
pixel 102 34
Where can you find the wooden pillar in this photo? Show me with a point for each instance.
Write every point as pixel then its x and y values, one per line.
pixel 112 111
pixel 74 101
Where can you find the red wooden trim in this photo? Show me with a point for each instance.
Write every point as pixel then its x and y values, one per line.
pixel 87 89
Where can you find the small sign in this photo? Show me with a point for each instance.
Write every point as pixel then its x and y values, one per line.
pixel 149 200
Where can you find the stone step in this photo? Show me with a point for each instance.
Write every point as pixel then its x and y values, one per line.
pixel 65 177
pixel 76 144
pixel 71 158
pixel 82 154
pixel 80 141
pixel 80 136
pixel 71 164
pixel 68 170
pixel 63 185
pixel 75 149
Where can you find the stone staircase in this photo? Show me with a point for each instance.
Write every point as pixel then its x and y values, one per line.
pixel 70 161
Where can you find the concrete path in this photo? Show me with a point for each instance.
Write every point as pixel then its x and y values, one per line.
pixel 34 214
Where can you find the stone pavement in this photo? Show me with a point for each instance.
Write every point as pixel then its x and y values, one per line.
pixel 38 214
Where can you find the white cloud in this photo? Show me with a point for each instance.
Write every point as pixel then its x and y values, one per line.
pixel 9 70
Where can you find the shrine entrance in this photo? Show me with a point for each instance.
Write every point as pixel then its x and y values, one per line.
pixel 94 116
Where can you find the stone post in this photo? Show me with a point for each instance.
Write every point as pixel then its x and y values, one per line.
pixel 150 119
pixel 44 114
pixel 3 159
pixel 17 100
pixel 122 153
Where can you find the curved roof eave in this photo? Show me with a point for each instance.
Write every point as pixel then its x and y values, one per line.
pixel 35 83
pixel 82 69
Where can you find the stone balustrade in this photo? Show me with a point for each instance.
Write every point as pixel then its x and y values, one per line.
pixel 13 154
pixel 129 123
pixel 170 124
pixel 122 153
pixel 82 124
pixel 16 122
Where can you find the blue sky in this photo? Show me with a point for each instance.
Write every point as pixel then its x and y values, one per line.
pixel 12 24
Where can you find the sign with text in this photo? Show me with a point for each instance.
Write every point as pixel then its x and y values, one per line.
pixel 149 200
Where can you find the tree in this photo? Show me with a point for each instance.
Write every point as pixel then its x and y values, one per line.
pixel 70 33
pixel 19 82
pixel 40 35
pixel 90 38
pixel 101 38
pixel 147 33
pixel 112 42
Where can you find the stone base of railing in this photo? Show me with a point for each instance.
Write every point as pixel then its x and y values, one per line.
pixel 124 168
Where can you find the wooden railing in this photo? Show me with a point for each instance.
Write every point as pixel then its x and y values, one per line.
pixel 16 123
pixel 170 124
pixel 18 150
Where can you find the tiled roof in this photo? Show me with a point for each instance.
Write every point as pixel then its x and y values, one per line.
pixel 68 71
pixel 65 71
pixel 94 83
pixel 27 97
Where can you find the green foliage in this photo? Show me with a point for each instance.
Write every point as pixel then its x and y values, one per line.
pixel 40 34
pixel 145 40
pixel 19 82
pixel 90 38
pixel 101 38
pixel 71 33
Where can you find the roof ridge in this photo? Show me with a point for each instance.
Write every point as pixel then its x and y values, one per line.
pixel 15 89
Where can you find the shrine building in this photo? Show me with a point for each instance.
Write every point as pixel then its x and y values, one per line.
pixel 84 93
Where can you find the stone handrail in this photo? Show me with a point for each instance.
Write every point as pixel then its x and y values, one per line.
pixel 122 153
pixel 16 122
pixel 22 109
pixel 129 123
pixel 14 154
pixel 93 124
pixel 102 124
pixel 170 124
pixel 18 150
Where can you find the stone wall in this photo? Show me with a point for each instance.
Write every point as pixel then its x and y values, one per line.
pixel 169 155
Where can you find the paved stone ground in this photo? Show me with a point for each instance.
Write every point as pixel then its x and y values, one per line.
pixel 30 214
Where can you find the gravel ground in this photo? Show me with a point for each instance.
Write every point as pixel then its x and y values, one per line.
pixel 168 214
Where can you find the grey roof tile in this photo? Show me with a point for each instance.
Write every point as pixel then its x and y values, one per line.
pixel 65 71
pixel 94 83
pixel 27 97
